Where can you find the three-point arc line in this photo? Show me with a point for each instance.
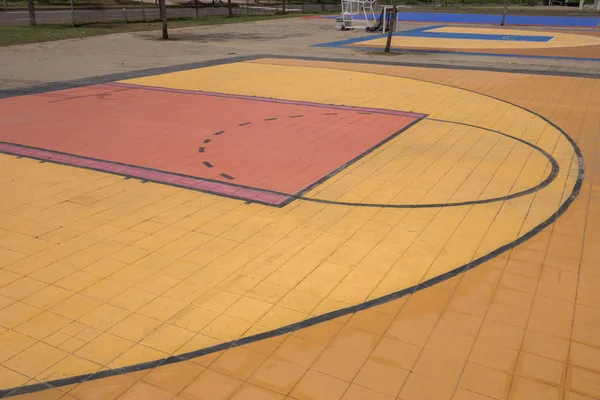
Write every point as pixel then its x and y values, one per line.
pixel 226 176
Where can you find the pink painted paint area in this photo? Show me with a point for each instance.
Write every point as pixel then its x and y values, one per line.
pixel 254 149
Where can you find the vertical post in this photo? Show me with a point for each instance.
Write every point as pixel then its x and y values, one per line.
pixel 163 16
pixel 504 13
pixel 73 12
pixel 195 5
pixel 5 4
pixel 143 11
pixel 581 4
pixel 392 28
pixel 283 7
pixel 31 8
pixel 229 8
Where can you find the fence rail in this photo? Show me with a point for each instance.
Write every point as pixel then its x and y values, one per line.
pixel 98 11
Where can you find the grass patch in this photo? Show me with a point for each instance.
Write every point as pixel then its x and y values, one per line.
pixel 11 35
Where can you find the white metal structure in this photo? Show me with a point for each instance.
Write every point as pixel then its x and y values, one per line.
pixel 358 13
pixel 387 10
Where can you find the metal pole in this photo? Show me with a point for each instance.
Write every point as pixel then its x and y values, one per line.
pixel 73 12
pixel 143 11
pixel 196 5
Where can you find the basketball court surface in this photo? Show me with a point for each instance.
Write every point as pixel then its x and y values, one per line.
pixel 536 42
pixel 272 227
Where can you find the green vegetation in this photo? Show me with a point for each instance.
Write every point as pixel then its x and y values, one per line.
pixel 10 35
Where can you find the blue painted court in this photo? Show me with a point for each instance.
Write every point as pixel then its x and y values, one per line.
pixel 427 32
pixel 492 19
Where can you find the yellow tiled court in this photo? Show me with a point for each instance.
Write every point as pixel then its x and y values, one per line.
pixel 98 272
pixel 558 39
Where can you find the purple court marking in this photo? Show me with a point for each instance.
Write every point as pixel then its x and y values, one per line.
pixel 188 182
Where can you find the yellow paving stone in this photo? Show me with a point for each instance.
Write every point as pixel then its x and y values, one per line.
pixel 67 367
pixel 199 341
pixel 105 247
pixel 217 300
pixel 48 297
pixel 268 292
pixel 10 378
pixel 104 348
pixel 12 343
pixel 9 256
pixel 135 327
pixel 168 338
pixel 78 281
pixel 42 325
pixel 80 259
pixel 104 267
pixel 7 277
pixel 28 265
pixel 22 288
pixel 226 327
pixel 130 275
pixel 75 306
pixel 104 317
pixel 88 334
pixel 135 355
pixel 52 273
pixel 194 318
pixel 72 344
pixel 162 308
pixel 132 299
pixel 158 283
pixel 248 309
pixel 17 313
pixel 105 290
pixel 35 359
